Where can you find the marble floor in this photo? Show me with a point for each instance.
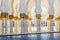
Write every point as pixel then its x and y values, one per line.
pixel 50 36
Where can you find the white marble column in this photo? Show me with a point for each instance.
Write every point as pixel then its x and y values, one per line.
pixel 57 29
pixel 56 17
pixel 10 13
pixel 38 20
pixel 51 12
pixel 50 21
pixel 0 17
pixel 16 7
pixel 0 26
pixel 57 14
pixel 38 11
pixel 4 26
pixel 31 9
pixel 24 22
pixel 45 14
pixel 4 9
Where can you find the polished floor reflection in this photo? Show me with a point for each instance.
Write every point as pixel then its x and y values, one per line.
pixel 50 36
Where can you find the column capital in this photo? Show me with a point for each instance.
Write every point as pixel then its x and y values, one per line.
pixel 4 14
pixel 38 6
pixel 10 16
pixel 38 16
pixel 50 17
pixel 23 15
pixel 57 19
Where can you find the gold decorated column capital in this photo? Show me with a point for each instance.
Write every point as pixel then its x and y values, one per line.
pixel 38 16
pixel 16 18
pixel 57 19
pixel 10 16
pixel 4 14
pixel 23 15
pixel 50 17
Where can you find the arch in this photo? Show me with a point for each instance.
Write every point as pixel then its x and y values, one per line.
pixel 23 6
pixel 4 6
pixel 44 8
pixel 57 9
pixel 38 6
pixel 10 6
